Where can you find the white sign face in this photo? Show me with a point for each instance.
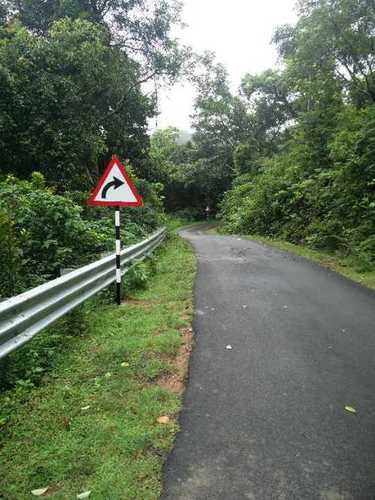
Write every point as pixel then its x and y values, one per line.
pixel 115 188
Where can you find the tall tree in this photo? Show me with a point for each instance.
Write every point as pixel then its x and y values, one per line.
pixel 3 12
pixel 319 186
pixel 334 36
pixel 270 97
pixel 141 28
pixel 220 123
pixel 65 99
pixel 72 75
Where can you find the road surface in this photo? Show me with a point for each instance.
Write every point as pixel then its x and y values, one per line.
pixel 266 419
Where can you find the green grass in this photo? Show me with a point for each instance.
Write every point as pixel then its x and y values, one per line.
pixel 91 424
pixel 215 230
pixel 174 224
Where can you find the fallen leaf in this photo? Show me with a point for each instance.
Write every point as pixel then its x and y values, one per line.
pixel 39 491
pixel 163 420
pixel 229 347
pixel 85 408
pixel 350 409
pixel 108 375
pixel 85 494
pixel 125 364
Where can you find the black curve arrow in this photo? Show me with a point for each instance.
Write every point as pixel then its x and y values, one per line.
pixel 116 183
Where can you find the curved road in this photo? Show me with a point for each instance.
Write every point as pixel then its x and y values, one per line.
pixel 266 420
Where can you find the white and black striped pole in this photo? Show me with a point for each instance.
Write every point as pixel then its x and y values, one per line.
pixel 116 189
pixel 118 255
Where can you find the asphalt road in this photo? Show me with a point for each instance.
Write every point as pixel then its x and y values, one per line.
pixel 265 420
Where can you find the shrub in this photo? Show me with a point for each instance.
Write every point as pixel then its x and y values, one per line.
pixel 330 206
pixel 42 232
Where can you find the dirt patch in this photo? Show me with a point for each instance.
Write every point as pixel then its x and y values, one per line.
pixel 176 382
pixel 141 303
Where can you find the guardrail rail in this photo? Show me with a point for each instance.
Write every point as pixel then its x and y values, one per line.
pixel 25 315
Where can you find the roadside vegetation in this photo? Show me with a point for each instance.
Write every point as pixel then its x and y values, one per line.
pixel 291 155
pixel 71 80
pixel 91 421
pixel 43 232
pixel 71 95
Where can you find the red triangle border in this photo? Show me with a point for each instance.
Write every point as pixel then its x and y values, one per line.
pixel 91 201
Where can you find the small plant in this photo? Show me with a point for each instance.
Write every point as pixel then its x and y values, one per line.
pixel 137 276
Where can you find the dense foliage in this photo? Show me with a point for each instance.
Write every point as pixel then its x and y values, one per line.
pixel 297 144
pixel 290 155
pixel 42 232
pixel 71 95
pixel 318 186
pixel 71 77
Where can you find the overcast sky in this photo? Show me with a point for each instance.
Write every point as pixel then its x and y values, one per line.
pixel 239 32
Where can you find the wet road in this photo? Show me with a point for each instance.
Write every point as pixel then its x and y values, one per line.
pixel 266 419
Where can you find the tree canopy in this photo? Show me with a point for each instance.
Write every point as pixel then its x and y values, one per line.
pixel 71 77
pixel 291 153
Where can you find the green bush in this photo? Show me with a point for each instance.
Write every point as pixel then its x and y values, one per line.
pixel 46 234
pixel 43 232
pixel 10 255
pixel 329 207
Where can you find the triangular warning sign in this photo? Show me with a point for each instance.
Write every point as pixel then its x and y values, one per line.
pixel 115 188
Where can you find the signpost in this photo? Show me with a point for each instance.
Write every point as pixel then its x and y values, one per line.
pixel 116 189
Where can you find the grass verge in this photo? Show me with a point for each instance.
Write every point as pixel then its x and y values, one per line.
pixel 347 266
pixel 175 224
pixel 92 423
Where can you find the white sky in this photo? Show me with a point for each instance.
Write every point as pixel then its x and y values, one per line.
pixel 239 32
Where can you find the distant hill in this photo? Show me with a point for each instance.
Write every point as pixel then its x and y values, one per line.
pixel 184 137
